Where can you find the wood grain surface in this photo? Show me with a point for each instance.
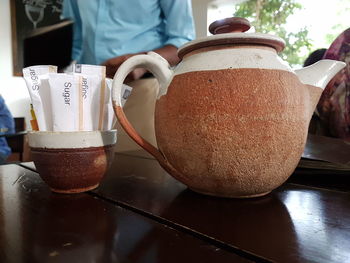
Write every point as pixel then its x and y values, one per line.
pixel 37 225
pixel 295 223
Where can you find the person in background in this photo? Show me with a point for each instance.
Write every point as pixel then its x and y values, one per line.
pixel 334 104
pixel 333 108
pixel 7 125
pixel 108 32
pixel 314 56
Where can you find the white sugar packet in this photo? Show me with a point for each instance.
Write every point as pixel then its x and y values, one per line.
pixel 110 119
pixel 36 78
pixel 66 102
pixel 98 92
pixel 90 94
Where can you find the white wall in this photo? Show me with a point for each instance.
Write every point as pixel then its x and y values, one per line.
pixel 13 89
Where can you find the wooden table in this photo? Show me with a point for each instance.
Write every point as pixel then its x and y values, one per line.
pixel 141 214
pixel 9 135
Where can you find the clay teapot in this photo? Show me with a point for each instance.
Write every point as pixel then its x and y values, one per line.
pixel 231 119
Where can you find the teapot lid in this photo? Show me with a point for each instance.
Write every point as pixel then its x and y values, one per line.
pixel 231 31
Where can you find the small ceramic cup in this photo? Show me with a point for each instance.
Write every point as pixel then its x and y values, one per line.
pixel 72 162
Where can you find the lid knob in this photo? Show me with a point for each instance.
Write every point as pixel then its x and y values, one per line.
pixel 229 25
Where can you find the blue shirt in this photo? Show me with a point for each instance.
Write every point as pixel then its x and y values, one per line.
pixel 104 29
pixel 7 125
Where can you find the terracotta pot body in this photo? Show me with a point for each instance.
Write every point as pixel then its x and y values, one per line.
pixel 72 162
pixel 233 131
pixel 231 120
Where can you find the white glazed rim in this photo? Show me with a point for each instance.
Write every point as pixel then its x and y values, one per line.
pixel 71 140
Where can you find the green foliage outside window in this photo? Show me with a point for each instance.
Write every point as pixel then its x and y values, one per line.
pixel 270 17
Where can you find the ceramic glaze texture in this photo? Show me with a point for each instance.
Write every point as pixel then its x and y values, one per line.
pixel 228 57
pixel 72 162
pixel 73 170
pixel 71 140
pixel 233 132
pixel 231 119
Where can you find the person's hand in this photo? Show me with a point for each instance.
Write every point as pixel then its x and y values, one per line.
pixel 113 64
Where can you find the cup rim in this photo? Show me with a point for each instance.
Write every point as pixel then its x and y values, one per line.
pixel 71 139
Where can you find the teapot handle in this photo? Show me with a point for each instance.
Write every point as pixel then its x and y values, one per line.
pixel 160 68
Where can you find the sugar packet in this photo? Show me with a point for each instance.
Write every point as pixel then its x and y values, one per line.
pixel 66 102
pixel 36 78
pixel 110 119
pixel 95 101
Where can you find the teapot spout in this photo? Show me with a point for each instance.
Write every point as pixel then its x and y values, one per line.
pixel 317 76
pixel 320 73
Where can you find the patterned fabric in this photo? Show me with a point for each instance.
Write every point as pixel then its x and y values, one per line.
pixel 334 105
